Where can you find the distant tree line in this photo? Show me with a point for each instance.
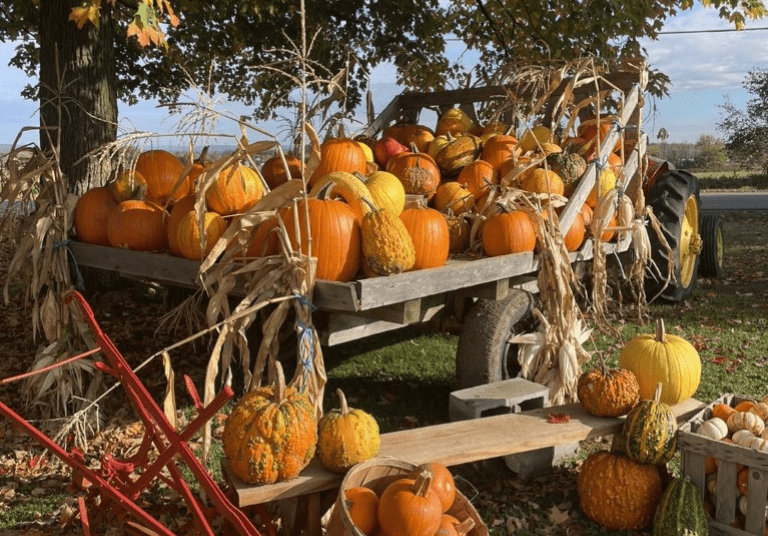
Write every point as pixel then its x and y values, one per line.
pixel 707 154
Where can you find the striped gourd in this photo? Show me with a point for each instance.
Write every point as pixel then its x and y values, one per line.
pixel 650 431
pixel 681 511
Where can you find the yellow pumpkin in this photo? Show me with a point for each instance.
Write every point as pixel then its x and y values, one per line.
pixel 662 358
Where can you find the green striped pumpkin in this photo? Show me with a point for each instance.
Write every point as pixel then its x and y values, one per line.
pixel 681 511
pixel 650 431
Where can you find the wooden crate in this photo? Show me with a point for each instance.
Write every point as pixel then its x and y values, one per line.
pixel 694 450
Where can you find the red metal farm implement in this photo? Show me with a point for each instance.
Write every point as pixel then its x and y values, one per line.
pixel 121 482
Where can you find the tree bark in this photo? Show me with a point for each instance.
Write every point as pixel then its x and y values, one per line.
pixel 78 102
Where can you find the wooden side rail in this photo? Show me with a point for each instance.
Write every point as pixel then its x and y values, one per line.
pixel 457 443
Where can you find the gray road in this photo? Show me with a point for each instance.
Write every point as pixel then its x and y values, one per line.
pixel 733 201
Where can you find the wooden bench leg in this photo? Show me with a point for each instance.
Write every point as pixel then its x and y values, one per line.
pixel 301 515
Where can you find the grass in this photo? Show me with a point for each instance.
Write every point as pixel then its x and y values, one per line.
pixel 732 180
pixel 37 502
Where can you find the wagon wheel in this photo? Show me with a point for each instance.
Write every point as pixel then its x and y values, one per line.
pixel 712 250
pixel 484 354
pixel 675 202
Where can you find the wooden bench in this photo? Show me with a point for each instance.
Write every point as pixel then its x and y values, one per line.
pixel 451 444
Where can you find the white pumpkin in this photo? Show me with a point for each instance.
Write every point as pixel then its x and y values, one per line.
pixel 714 428
pixel 743 437
pixel 743 420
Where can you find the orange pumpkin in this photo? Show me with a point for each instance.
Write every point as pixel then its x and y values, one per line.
pixel 91 214
pixel 137 225
pixel 339 154
pixel 442 482
pixel 723 411
pixel 162 172
pixel 411 507
pixel 126 185
pixel 235 189
pixel 429 233
pixel 264 240
pixel 479 178
pixel 592 131
pixel 454 196
pixel 273 170
pixel 363 505
pixel 417 171
pixel 179 210
pixel 188 234
pixel 450 526
pixel 508 232
pixel 498 149
pixel 335 233
pixel 419 135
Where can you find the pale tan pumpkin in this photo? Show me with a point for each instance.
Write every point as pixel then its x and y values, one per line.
pixel 744 420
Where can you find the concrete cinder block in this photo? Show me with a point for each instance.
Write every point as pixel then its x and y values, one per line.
pixel 537 463
pixel 508 396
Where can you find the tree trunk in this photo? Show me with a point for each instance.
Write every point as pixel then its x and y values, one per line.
pixel 78 102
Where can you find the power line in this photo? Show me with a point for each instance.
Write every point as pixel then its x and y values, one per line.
pixel 713 31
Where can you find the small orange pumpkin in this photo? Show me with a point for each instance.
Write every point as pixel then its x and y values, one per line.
pixel 126 185
pixel 235 189
pixel 442 482
pixel 162 172
pixel 429 233
pixel 137 225
pixel 363 505
pixel 410 506
pixel 499 149
pixel 417 171
pixel 179 210
pixel 339 154
pixel 264 240
pixel 91 214
pixel 479 177
pixel 273 170
pixel 508 232
pixel 454 196
pixel 188 234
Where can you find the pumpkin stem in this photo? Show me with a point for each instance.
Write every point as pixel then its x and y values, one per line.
pixel 279 383
pixel 465 526
pixel 413 148
pixel 661 335
pixel 369 203
pixel 657 393
pixel 422 483
pixel 363 178
pixel 325 192
pixel 342 401
pixel 601 363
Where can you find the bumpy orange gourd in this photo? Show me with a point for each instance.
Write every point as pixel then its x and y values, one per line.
pixel 137 225
pixel 235 189
pixel 430 236
pixel 188 234
pixel 410 507
pixel 363 505
pixel 162 171
pixel 335 233
pixel 346 436
pixel 91 214
pixel 542 181
pixel 271 434
pixel 618 493
pixel 508 232
pixel 605 392
pixel 417 171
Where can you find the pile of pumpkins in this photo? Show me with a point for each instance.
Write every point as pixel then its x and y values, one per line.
pixel 745 424
pixel 417 504
pixel 129 211
pixel 625 488
pixel 359 222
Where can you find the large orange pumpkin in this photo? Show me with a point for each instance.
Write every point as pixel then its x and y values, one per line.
pixel 339 154
pixel 479 177
pixel 162 170
pixel 188 234
pixel 335 233
pixel 429 233
pixel 179 210
pixel 137 225
pixel 508 232
pixel 91 214
pixel 235 189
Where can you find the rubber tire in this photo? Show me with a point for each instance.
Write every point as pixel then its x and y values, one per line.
pixel 669 196
pixel 483 354
pixel 712 256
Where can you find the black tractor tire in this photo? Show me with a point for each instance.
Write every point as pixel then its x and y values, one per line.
pixel 484 354
pixel 712 246
pixel 675 202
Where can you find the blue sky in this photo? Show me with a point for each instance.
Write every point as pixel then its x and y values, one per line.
pixel 703 68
